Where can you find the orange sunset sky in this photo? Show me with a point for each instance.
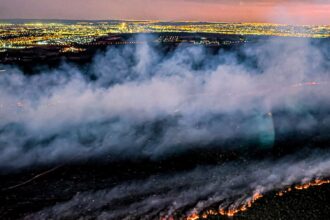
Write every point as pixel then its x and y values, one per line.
pixel 276 11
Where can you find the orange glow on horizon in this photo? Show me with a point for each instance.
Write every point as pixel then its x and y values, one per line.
pixel 270 11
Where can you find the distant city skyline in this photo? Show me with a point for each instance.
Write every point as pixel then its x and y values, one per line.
pixel 274 11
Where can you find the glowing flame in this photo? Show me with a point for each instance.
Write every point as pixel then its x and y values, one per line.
pixel 316 182
pixel 253 199
pixel 244 207
pixel 193 216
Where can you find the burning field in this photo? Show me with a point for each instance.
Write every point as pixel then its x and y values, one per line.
pixel 146 133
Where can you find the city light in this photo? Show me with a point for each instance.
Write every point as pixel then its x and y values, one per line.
pixel 18 35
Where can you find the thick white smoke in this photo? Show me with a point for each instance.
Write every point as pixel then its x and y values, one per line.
pixel 198 98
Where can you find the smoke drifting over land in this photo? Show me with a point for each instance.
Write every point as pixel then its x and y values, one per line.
pixel 137 102
pixel 228 186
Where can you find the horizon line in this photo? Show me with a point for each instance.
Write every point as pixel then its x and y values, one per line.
pixel 158 20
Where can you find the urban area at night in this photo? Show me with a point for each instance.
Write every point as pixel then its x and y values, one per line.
pixel 22 34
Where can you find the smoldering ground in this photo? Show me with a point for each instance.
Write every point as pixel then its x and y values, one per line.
pixel 136 102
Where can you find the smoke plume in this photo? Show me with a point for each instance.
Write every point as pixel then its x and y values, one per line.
pixel 194 97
